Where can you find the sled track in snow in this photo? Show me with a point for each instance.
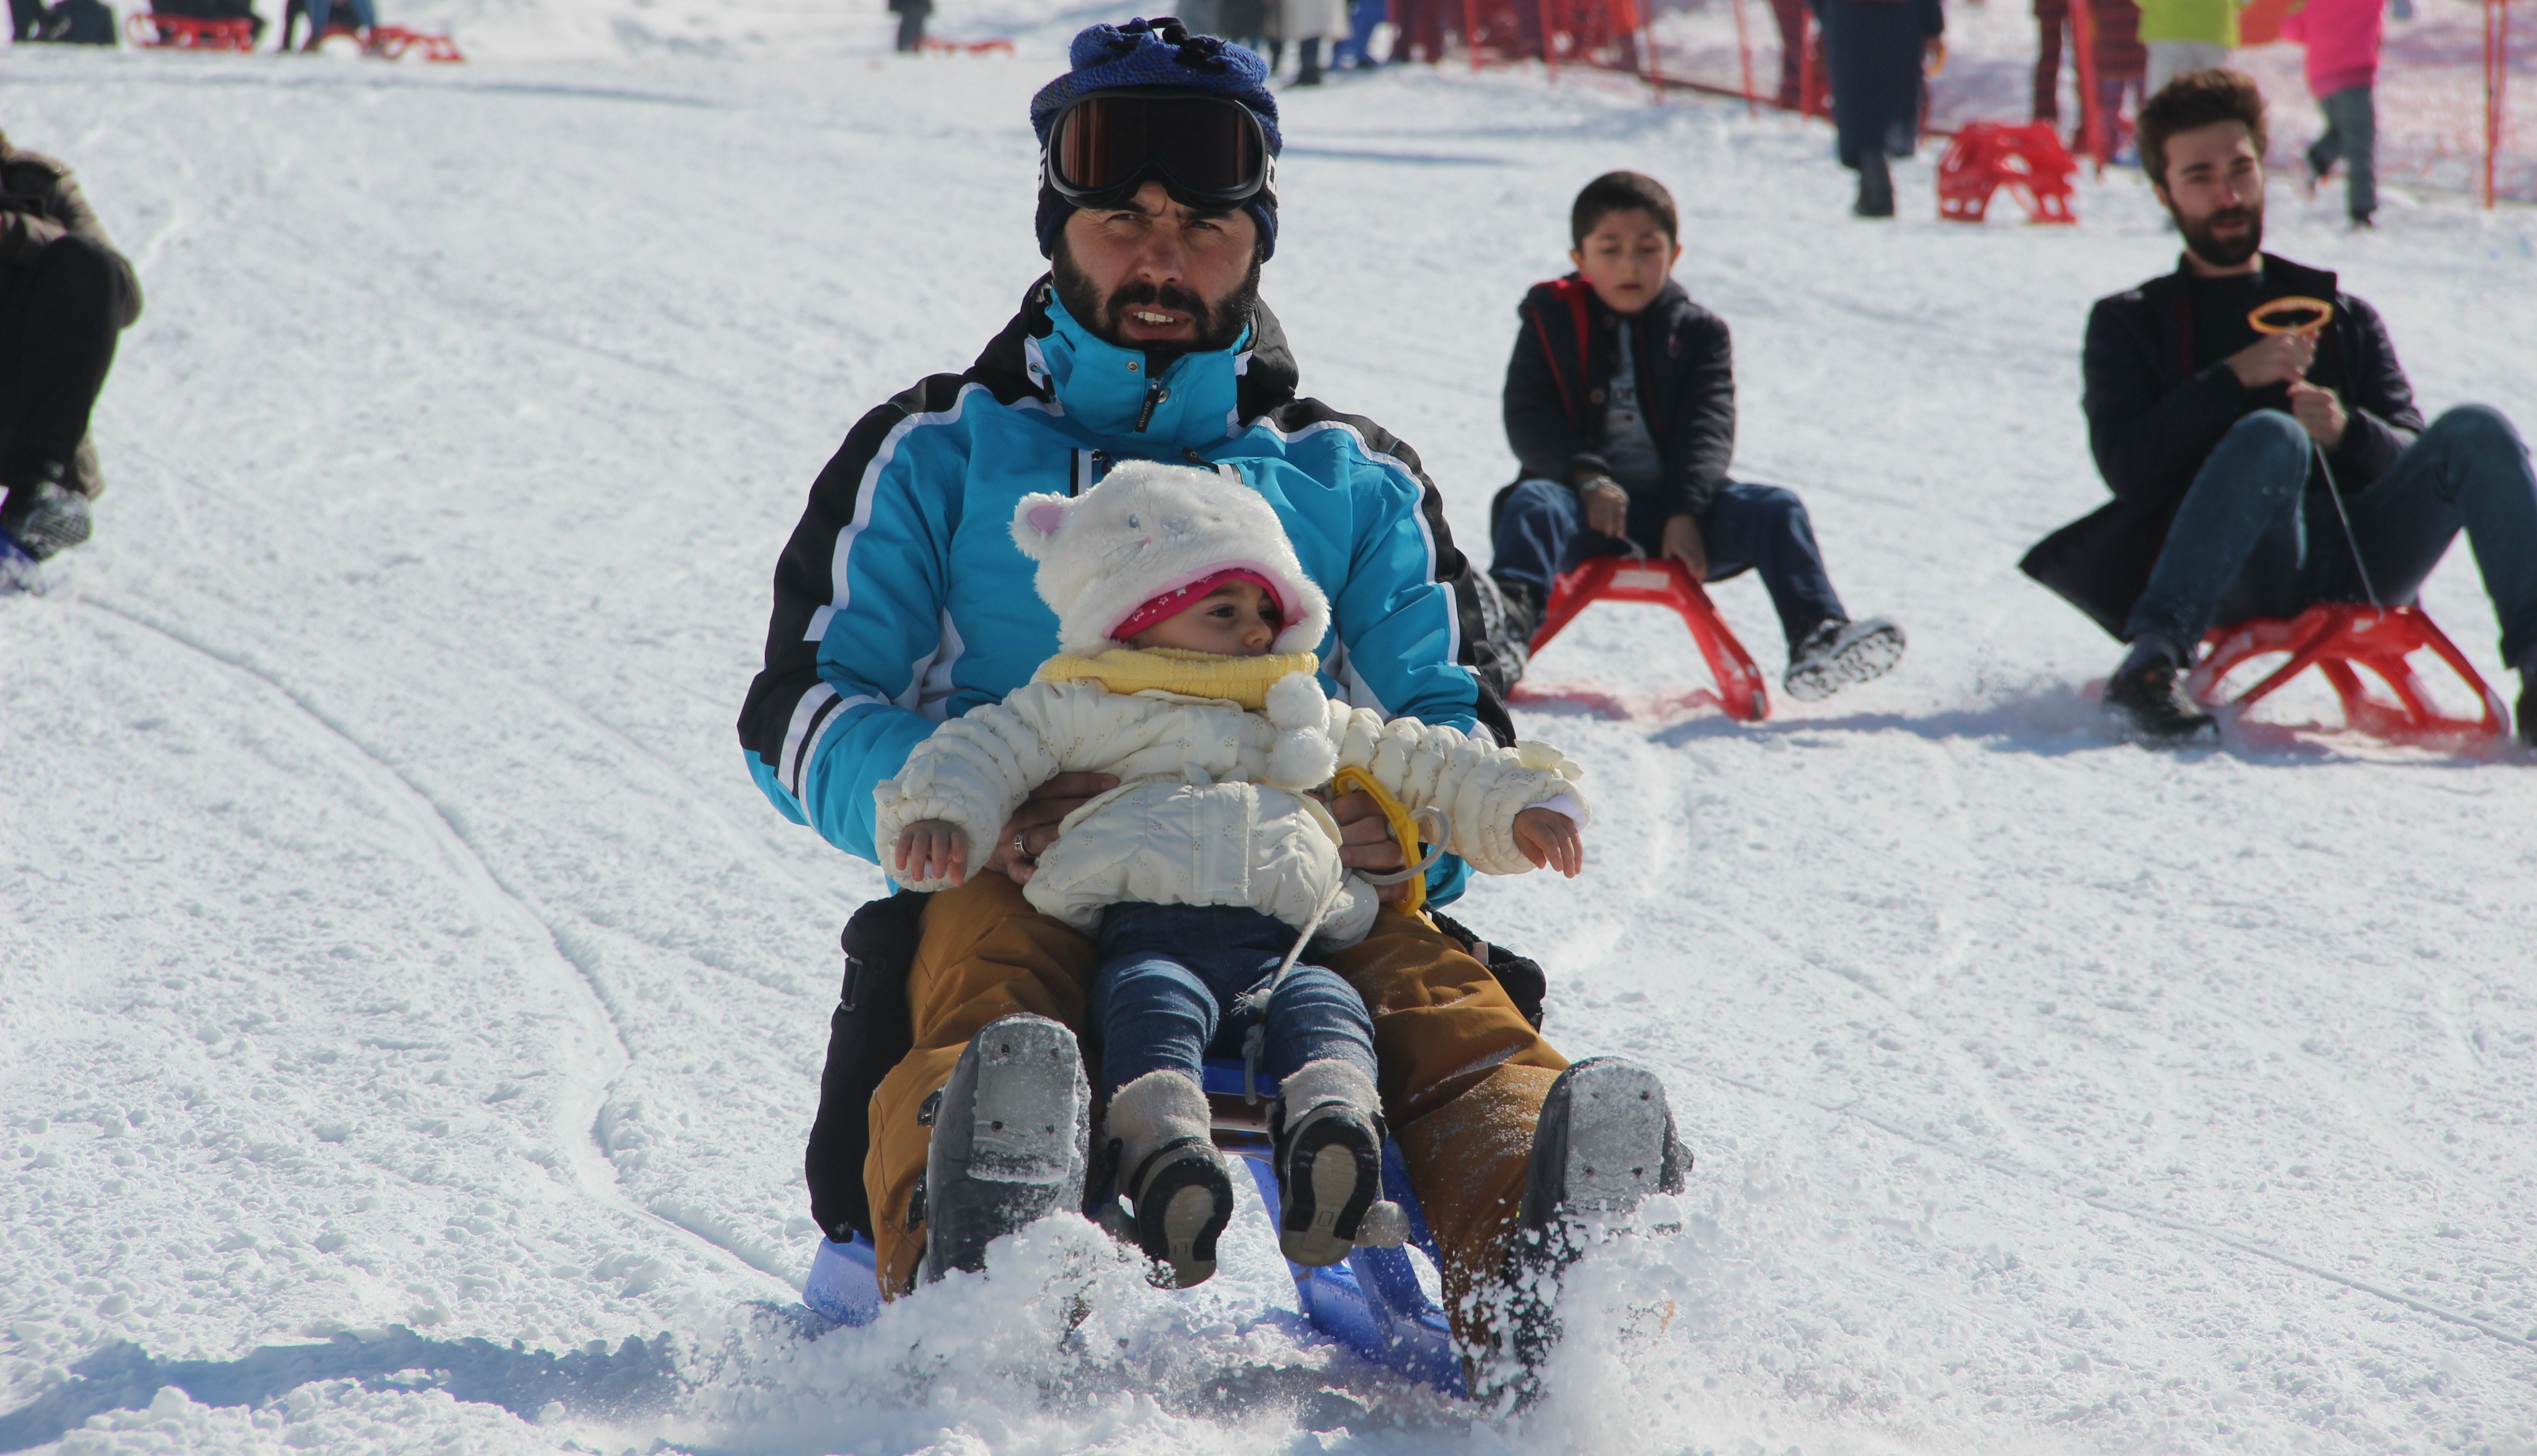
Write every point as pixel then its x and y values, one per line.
pixel 2241 1244
pixel 595 1170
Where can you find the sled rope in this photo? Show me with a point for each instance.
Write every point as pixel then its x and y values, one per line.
pixel 1404 829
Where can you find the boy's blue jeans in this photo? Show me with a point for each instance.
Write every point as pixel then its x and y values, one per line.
pixel 2249 541
pixel 1541 531
pixel 1164 995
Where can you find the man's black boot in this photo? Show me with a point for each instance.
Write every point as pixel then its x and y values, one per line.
pixel 1606 1141
pixel 1012 1136
pixel 1875 186
pixel 2527 720
pixel 44 514
pixel 2147 696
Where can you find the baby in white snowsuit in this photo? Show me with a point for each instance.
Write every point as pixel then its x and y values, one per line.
pixel 1188 626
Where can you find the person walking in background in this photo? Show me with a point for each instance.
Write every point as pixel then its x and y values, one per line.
pixel 1418 24
pixel 1309 24
pixel 1358 49
pixel 2342 39
pixel 65 293
pixel 2183 36
pixel 911 23
pixel 1879 53
pixel 2052 17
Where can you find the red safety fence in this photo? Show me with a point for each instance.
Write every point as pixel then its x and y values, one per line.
pixel 2456 92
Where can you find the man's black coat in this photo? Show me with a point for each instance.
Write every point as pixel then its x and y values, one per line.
pixel 1558 382
pixel 2152 419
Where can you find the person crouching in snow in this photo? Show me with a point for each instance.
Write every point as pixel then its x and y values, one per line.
pixel 1187 626
pixel 1620 404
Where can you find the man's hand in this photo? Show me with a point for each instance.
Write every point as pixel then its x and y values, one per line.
pixel 1366 841
pixel 1549 839
pixel 1608 507
pixel 2320 410
pixel 1034 824
pixel 933 848
pixel 1683 544
pixel 2275 359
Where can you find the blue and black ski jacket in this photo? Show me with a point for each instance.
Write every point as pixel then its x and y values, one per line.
pixel 901 599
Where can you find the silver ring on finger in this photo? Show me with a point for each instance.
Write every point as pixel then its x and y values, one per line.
pixel 1021 850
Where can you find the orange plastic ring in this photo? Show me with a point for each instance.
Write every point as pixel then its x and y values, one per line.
pixel 2313 314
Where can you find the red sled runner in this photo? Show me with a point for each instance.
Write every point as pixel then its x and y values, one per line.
pixel 1742 690
pixel 2336 639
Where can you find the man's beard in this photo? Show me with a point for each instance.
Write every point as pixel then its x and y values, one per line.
pixel 1219 324
pixel 2198 239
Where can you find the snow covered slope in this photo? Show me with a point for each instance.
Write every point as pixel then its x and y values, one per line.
pixel 392 938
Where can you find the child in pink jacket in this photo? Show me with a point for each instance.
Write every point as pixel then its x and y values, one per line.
pixel 2342 39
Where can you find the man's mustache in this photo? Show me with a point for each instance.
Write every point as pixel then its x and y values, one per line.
pixel 1160 295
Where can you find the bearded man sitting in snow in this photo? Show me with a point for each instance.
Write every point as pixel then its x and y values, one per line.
pixel 2222 444
pixel 903 601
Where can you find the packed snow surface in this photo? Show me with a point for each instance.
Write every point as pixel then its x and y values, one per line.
pixel 408 1001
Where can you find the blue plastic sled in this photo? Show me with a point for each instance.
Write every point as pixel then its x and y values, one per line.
pixel 1371 1303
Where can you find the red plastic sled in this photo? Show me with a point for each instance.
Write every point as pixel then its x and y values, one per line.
pixel 991 45
pixel 1664 583
pixel 2336 638
pixel 188 32
pixel 2028 161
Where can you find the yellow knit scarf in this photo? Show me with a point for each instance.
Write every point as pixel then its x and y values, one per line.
pixel 1177 669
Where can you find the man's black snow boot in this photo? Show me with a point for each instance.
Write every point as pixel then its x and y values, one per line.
pixel 2528 704
pixel 44 514
pixel 1837 653
pixel 2147 696
pixel 1875 186
pixel 1606 1141
pixel 1012 1137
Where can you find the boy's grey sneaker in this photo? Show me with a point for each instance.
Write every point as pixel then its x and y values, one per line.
pixel 44 514
pixel 1837 653
pixel 1012 1135
pixel 1606 1141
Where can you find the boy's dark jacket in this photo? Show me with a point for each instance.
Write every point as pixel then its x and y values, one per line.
pixel 1564 361
pixel 2152 419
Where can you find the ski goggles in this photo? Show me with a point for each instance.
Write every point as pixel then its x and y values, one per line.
pixel 1207 149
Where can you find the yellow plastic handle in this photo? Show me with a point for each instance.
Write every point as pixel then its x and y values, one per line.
pixel 2311 314
pixel 1404 828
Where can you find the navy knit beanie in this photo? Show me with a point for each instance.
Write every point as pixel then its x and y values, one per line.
pixel 1158 53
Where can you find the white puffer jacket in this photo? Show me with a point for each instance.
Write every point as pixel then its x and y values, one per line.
pixel 1211 807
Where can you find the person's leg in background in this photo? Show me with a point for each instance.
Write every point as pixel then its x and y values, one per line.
pixel 2051 18
pixel 1791 17
pixel 2352 126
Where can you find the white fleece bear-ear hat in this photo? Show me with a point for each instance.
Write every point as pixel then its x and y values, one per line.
pixel 1149 540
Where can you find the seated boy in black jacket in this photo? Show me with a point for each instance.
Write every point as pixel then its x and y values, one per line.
pixel 1620 404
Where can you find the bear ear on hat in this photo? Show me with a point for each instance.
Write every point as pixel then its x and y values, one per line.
pixel 1036 519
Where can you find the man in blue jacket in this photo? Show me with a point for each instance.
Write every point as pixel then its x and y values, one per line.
pixel 902 601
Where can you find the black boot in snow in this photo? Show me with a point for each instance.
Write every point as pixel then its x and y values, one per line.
pixel 1012 1137
pixel 1837 653
pixel 2148 698
pixel 1606 1141
pixel 44 514
pixel 1509 613
pixel 1875 186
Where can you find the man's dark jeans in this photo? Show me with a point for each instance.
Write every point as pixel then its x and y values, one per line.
pixel 2251 541
pixel 58 323
pixel 1164 995
pixel 1540 531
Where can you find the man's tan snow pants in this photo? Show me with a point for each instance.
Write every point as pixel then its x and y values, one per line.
pixel 1462 1074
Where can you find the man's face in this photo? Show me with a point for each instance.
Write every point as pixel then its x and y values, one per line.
pixel 1159 275
pixel 1626 259
pixel 2215 191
